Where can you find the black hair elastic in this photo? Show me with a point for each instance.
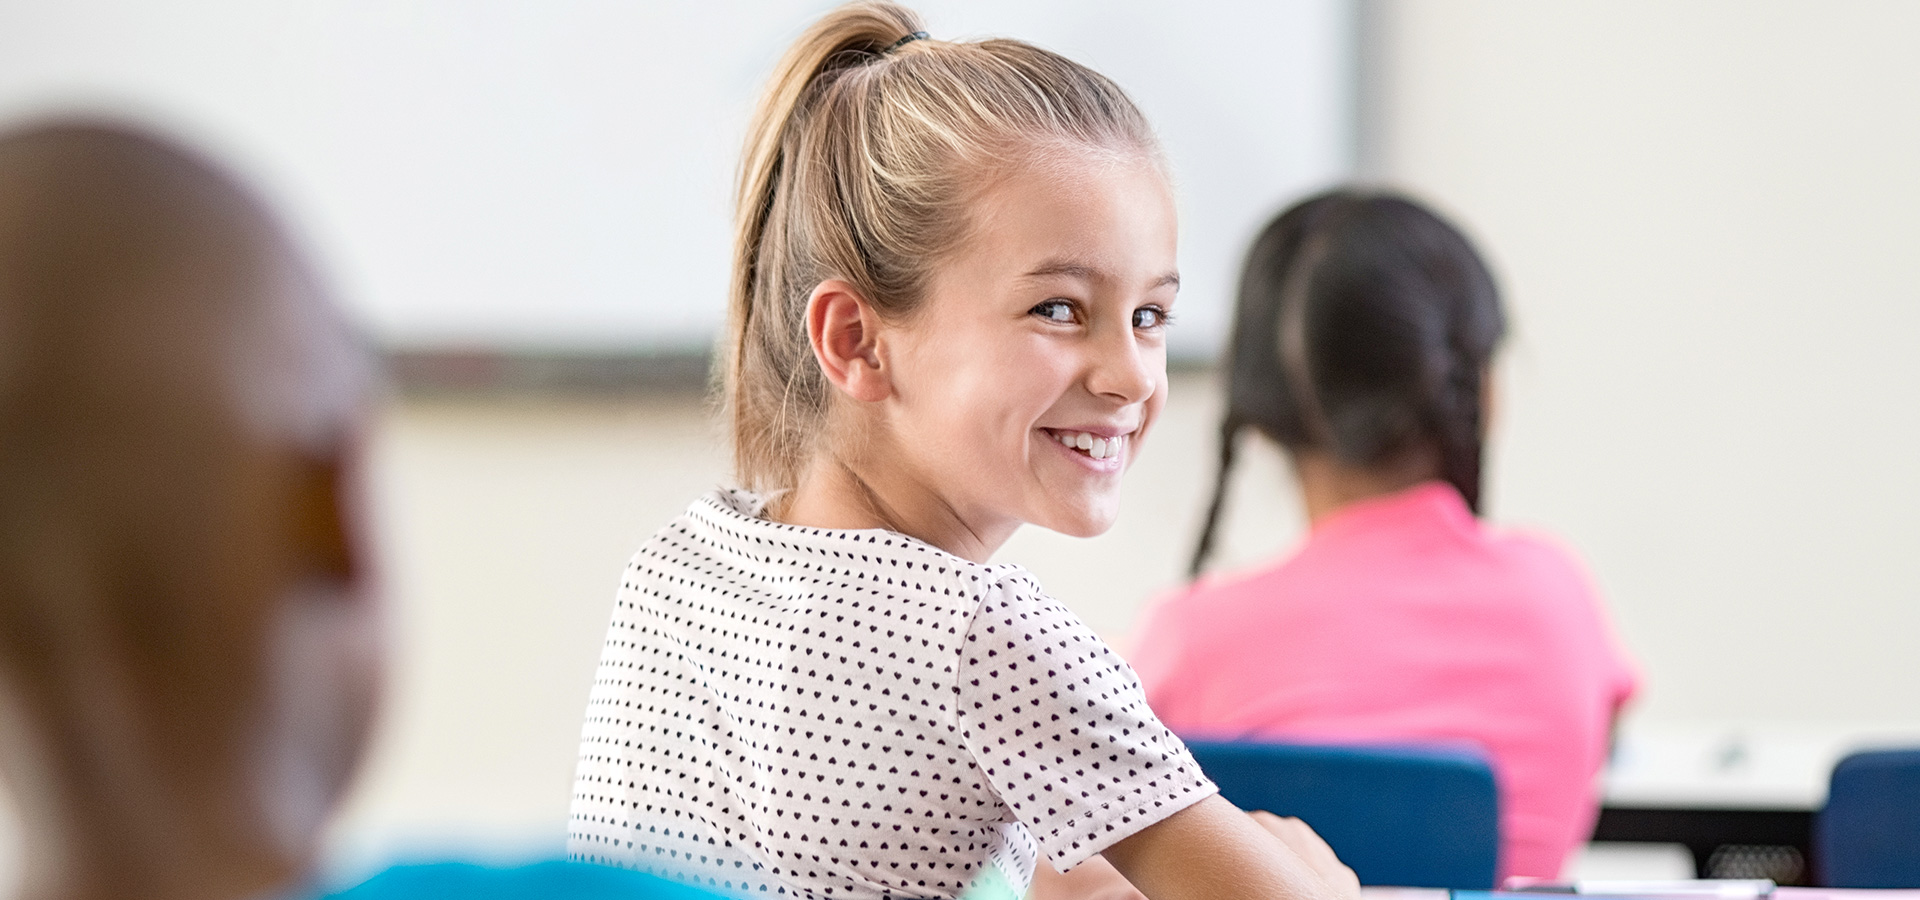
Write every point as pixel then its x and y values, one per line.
pixel 918 35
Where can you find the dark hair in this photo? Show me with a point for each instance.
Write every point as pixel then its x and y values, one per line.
pixel 1364 327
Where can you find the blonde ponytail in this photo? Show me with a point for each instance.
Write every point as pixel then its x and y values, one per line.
pixel 858 164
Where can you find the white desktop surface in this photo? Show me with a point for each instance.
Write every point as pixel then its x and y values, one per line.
pixel 1738 765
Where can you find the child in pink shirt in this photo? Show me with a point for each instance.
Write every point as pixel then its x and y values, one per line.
pixel 1364 332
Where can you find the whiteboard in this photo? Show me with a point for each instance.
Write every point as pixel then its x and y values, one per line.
pixel 557 174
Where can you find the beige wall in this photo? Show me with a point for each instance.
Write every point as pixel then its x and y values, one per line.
pixel 504 526
pixel 1705 215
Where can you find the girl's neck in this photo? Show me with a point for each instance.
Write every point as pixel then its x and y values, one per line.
pixel 1328 485
pixel 834 493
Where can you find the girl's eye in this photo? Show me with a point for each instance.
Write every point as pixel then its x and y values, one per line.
pixel 1151 317
pixel 1054 311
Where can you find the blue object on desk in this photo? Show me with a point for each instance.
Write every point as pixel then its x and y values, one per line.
pixel 540 881
pixel 1398 815
pixel 1868 836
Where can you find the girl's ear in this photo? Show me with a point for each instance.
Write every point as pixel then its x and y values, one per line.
pixel 845 331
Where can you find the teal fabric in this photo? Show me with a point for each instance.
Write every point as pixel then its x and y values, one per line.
pixel 541 881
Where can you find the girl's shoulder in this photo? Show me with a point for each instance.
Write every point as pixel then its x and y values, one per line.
pixel 1537 553
pixel 728 527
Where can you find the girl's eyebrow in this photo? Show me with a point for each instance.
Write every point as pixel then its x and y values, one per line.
pixel 1084 272
pixel 1063 268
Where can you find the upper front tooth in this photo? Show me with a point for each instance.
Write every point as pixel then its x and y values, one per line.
pixel 1083 440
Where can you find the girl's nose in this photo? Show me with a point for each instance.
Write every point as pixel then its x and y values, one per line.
pixel 1123 370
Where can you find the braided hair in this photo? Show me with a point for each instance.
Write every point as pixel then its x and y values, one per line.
pixel 1363 330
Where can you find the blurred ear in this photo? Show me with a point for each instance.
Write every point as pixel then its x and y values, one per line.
pixel 322 528
pixel 844 330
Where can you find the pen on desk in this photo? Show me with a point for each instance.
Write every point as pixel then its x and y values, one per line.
pixel 1704 888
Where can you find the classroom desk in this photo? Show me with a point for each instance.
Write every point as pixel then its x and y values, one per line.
pixel 1814 893
pixel 1740 797
pixel 1781 893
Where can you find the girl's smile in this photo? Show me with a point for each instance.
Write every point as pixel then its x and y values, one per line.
pixel 1101 448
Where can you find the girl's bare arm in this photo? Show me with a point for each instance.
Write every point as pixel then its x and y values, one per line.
pixel 1211 850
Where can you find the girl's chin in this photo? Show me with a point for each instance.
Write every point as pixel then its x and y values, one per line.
pixel 1081 523
pixel 1087 532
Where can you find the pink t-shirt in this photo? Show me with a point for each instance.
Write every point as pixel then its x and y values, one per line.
pixel 1404 618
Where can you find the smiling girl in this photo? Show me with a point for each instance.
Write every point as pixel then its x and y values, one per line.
pixel 954 270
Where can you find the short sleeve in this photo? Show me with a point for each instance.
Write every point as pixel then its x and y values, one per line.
pixel 1619 677
pixel 1060 727
pixel 1624 677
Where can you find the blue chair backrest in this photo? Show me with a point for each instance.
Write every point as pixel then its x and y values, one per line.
pixel 1868 836
pixel 1401 816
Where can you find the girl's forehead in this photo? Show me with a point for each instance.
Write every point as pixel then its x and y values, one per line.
pixel 1075 217
pixel 1070 161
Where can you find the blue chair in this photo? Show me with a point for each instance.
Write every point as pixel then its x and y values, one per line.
pixel 1403 816
pixel 1868 836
